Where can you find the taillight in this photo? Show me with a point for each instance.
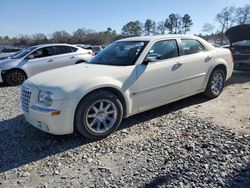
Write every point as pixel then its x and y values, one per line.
pixel 91 53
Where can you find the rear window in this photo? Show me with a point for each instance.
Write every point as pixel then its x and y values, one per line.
pixel 242 43
pixel 63 49
pixel 9 50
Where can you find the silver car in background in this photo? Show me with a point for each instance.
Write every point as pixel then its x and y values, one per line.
pixel 30 61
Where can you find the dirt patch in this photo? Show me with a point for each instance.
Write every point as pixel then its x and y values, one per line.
pixel 231 109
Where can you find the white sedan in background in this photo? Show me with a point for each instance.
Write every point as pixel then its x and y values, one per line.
pixel 127 77
pixel 17 68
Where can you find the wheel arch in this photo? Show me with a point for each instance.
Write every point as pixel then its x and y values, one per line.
pixel 113 90
pixel 81 61
pixel 222 67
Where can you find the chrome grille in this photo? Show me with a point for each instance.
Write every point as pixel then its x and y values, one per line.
pixel 25 99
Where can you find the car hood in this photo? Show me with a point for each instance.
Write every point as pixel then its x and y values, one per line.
pixel 238 33
pixel 71 77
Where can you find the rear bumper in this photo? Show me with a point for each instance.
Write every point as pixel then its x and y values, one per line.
pixel 239 65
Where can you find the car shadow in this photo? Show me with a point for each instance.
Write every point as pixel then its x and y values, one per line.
pixel 239 77
pixel 239 179
pixel 3 85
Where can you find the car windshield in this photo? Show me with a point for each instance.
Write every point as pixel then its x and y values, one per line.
pixel 96 48
pixel 22 53
pixel 123 53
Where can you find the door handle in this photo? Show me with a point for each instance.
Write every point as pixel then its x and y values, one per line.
pixel 72 57
pixel 50 60
pixel 176 66
pixel 207 59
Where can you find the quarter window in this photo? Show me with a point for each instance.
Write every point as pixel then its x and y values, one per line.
pixel 191 46
pixel 43 52
pixel 166 49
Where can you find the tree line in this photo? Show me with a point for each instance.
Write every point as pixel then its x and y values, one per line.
pixel 228 17
pixel 173 24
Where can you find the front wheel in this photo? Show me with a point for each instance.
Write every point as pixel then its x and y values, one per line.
pixel 215 84
pixel 98 115
pixel 15 77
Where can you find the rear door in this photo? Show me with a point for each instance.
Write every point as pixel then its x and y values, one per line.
pixel 196 60
pixel 64 56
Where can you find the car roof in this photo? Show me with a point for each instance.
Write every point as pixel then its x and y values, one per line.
pixel 158 37
pixel 54 44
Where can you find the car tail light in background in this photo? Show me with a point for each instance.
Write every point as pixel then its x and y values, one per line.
pixel 91 53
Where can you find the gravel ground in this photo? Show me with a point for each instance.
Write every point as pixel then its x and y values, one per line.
pixel 161 148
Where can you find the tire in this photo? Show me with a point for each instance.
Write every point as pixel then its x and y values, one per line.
pixel 15 77
pixel 98 115
pixel 215 84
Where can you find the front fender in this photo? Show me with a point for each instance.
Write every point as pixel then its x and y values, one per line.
pixel 103 83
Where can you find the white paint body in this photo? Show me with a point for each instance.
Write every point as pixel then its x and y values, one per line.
pixel 37 65
pixel 143 86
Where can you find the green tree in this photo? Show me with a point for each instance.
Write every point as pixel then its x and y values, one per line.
pixel 132 29
pixel 149 27
pixel 161 28
pixel 186 23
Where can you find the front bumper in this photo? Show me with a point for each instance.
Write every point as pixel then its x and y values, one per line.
pixel 42 118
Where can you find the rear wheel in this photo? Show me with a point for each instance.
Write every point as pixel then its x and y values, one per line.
pixel 15 77
pixel 98 115
pixel 215 84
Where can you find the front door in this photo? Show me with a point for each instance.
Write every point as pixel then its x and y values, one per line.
pixel 160 81
pixel 42 60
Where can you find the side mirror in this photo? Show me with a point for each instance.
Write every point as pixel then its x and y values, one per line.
pixel 30 57
pixel 152 58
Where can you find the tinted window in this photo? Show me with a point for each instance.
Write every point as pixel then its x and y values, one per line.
pixel 43 52
pixel 191 46
pixel 9 50
pixel 123 53
pixel 22 53
pixel 63 49
pixel 242 43
pixel 73 49
pixel 167 49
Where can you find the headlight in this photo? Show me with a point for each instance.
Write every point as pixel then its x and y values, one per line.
pixel 45 97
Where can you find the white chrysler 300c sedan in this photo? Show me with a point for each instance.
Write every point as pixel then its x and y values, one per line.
pixel 129 76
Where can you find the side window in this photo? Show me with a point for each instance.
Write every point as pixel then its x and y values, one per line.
pixel 167 49
pixel 73 49
pixel 63 49
pixel 43 52
pixel 191 46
